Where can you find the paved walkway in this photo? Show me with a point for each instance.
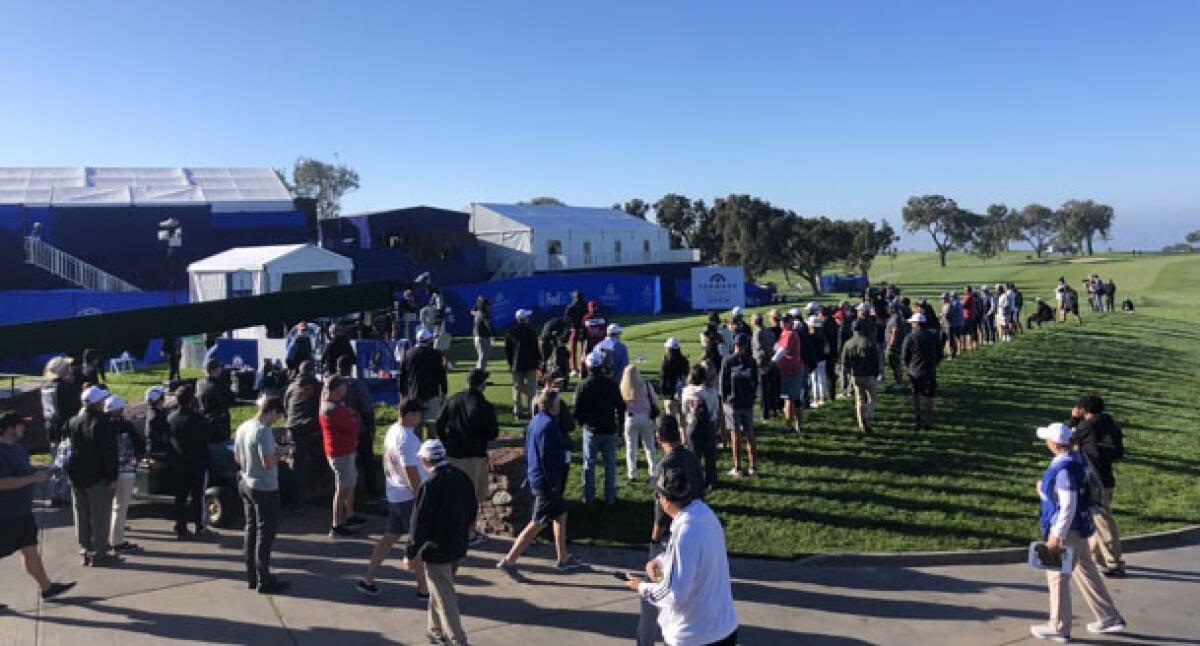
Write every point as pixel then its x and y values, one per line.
pixel 177 593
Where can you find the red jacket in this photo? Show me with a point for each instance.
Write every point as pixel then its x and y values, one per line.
pixel 339 428
pixel 792 361
pixel 597 328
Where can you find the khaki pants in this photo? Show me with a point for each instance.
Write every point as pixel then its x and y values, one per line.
pixel 865 389
pixel 1106 542
pixel 1091 585
pixel 524 383
pixel 444 620
pixel 477 470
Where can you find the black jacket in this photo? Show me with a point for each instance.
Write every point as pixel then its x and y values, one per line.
pixel 215 399
pixel 921 352
pixel 739 380
pixel 422 374
pixel 442 516
pixel 1102 442
pixel 302 401
pixel 93 450
pixel 338 347
pixel 680 458
pixel 674 369
pixel 598 404
pixel 521 348
pixel 574 315
pixel 158 433
pixel 466 424
pixel 189 440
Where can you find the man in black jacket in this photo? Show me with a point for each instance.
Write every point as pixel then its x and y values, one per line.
pixel 215 399
pixel 423 377
pixel 442 518
pixel 339 346
pixel 739 384
pixel 1101 441
pixel 302 401
pixel 921 352
pixel 523 355
pixel 188 461
pixel 599 408
pixel 466 425
pixel 93 472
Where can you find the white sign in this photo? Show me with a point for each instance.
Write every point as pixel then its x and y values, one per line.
pixel 718 288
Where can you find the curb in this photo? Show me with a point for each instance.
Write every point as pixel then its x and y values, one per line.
pixel 1000 556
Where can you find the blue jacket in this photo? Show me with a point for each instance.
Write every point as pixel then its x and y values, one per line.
pixel 1076 473
pixel 545 454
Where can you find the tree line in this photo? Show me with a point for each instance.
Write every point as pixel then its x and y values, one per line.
pixel 1077 223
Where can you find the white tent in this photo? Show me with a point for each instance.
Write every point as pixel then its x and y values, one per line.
pixel 250 271
pixel 550 238
pixel 229 190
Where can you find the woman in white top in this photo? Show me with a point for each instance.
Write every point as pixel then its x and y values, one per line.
pixel 640 411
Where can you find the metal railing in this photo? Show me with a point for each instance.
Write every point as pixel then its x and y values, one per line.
pixel 72 269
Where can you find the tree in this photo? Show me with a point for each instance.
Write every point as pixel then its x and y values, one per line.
pixel 545 201
pixel 1193 238
pixel 941 218
pixel 1038 226
pixel 813 245
pixel 991 232
pixel 1084 220
pixel 749 235
pixel 321 181
pixel 678 216
pixel 635 207
pixel 867 242
pixel 706 236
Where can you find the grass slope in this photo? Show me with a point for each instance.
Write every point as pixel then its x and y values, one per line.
pixel 970 482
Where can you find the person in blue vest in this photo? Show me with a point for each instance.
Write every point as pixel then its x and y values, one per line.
pixel 1066 522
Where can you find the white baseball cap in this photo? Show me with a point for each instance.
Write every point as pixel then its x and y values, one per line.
pixel 1057 432
pixel 736 311
pixel 917 317
pixel 424 335
pixel 155 393
pixel 114 404
pixel 93 395
pixel 671 343
pixel 614 329
pixel 594 360
pixel 814 321
pixel 795 312
pixel 523 313
pixel 812 307
pixel 432 450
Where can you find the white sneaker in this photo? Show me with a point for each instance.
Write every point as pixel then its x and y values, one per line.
pixel 1114 625
pixel 1043 631
pixel 734 473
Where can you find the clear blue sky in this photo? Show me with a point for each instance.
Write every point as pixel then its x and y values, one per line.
pixel 839 109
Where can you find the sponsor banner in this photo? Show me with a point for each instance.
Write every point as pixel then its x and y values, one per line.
pixel 718 288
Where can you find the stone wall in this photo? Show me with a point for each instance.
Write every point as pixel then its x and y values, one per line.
pixel 509 506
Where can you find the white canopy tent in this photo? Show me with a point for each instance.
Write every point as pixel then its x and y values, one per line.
pixel 229 190
pixel 251 271
pixel 550 238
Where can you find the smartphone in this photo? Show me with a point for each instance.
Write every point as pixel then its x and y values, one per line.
pixel 621 576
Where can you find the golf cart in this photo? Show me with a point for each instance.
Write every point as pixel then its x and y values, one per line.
pixel 222 504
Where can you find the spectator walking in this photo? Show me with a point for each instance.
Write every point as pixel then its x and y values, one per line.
pixel 403 472
pixel 860 358
pixel 131 448
pixel 423 377
pixel 188 461
pixel 1066 523
pixel 689 582
pixel 18 526
pixel 93 472
pixel 481 326
pixel 258 456
pixel 339 429
pixel 465 427
pixel 701 406
pixel 545 451
pixel 522 351
pixel 739 386
pixel 359 399
pixel 672 375
pixel 1101 441
pixel 599 408
pixel 641 409
pixel 1071 305
pixel 443 515
pixel 302 401
pixel 921 352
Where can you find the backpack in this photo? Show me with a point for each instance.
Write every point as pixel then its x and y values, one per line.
pixel 1093 487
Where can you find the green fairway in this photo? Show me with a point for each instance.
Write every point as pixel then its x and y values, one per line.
pixel 970 482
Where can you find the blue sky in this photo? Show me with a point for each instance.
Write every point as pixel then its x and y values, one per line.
pixel 838 109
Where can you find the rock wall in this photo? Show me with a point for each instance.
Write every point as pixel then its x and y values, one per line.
pixel 509 506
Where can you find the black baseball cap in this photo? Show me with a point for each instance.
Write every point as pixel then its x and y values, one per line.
pixel 411 406
pixel 477 377
pixel 9 419
pixel 672 483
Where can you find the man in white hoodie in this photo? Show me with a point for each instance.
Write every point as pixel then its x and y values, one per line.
pixel 689 582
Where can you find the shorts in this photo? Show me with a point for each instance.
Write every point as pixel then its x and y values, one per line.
pixel 477 470
pixel 1074 309
pixel 924 386
pixel 792 386
pixel 970 326
pixel 399 518
pixel 345 475
pixel 17 533
pixel 431 408
pixel 740 421
pixel 547 505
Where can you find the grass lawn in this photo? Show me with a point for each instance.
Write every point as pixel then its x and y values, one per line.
pixel 970 482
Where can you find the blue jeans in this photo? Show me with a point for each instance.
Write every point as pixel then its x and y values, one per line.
pixel 594 443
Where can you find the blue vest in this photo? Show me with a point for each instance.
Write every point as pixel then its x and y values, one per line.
pixel 1076 473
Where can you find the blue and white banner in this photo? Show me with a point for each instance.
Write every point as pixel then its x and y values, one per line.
pixel 718 288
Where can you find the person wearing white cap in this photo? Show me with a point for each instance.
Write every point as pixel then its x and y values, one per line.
pixel 921 352
pixel 522 349
pixel 442 519
pixel 1066 522
pixel 93 472
pixel 672 377
pixel 618 353
pixel 422 376
pixel 817 376
pixel 131 448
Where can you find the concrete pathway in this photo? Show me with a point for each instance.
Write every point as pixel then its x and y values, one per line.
pixel 191 593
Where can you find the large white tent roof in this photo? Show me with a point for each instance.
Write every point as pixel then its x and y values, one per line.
pixel 296 257
pixel 226 189
pixel 547 217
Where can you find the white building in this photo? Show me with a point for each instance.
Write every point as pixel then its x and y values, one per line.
pixel 523 239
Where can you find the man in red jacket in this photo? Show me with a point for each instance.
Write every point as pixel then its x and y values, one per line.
pixel 339 428
pixel 790 361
